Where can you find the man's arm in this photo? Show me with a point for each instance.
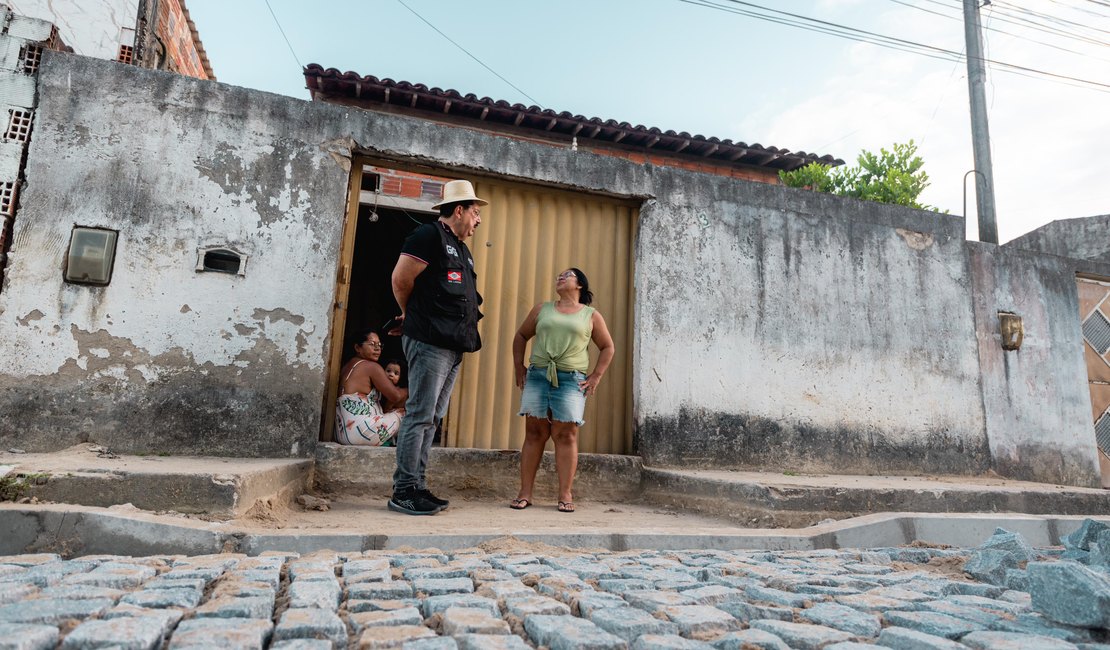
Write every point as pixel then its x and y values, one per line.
pixel 404 277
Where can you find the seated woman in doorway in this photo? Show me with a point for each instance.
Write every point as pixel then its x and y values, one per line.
pixel 359 417
pixel 556 385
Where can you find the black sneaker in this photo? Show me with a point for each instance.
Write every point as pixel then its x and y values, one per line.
pixel 411 502
pixel 427 494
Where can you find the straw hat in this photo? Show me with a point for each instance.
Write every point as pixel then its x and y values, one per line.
pixel 455 191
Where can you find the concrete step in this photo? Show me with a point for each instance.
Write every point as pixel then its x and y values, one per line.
pixel 216 487
pixel 747 499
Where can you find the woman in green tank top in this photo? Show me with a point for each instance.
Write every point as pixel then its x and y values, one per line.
pixel 556 385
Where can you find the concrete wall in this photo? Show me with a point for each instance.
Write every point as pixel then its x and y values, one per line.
pixel 775 328
pixel 91 27
pixel 1082 239
pixel 1035 398
pixel 166 359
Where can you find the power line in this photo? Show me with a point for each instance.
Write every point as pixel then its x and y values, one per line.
pixel 1028 24
pixel 890 42
pixel 1048 17
pixel 464 50
pixel 278 23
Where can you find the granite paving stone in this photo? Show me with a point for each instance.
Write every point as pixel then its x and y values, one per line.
pixel 700 621
pixel 528 605
pixel 748 639
pixel 843 618
pixel 15 592
pixel 499 589
pixel 321 594
pixel 304 644
pixel 406 616
pixel 902 638
pixel 26 636
pixel 1013 641
pixel 468 620
pixel 311 623
pixel 747 612
pixel 713 594
pixel 380 590
pixel 652 601
pixel 53 610
pixel 129 633
pixel 232 607
pixel 355 606
pixel 623 585
pixel 570 632
pixel 169 617
pixel 441 586
pixel 1069 593
pixel 221 633
pixel 668 642
pixel 630 623
pixel 1080 539
pixel 185 597
pixel 491 642
pixel 802 636
pixel 1037 625
pixel 973 614
pixel 243 589
pixel 392 636
pixel 71 592
pixel 436 604
pixel 933 623
pixel 782 598
pixel 851 645
pixel 430 643
pixel 589 602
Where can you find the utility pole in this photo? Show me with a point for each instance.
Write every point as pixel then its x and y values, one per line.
pixel 980 133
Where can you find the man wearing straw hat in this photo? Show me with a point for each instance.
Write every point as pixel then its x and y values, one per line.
pixel 435 285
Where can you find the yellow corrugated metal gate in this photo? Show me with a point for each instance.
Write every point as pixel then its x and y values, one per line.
pixel 528 235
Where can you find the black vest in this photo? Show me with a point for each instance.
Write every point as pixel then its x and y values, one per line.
pixel 443 307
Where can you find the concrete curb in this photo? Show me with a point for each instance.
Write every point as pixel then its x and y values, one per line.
pixel 75 531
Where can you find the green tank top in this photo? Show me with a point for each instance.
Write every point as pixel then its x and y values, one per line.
pixel 562 340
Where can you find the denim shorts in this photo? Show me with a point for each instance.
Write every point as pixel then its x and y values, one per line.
pixel 566 403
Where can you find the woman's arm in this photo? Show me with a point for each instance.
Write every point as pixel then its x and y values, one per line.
pixel 526 331
pixel 604 343
pixel 379 380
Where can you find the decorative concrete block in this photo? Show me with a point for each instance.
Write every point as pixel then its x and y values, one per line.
pixel 801 635
pixel 629 623
pixel 311 623
pixel 843 618
pixel 903 638
pixel 468 620
pixel 363 620
pixel 18 636
pixel 130 633
pixel 941 625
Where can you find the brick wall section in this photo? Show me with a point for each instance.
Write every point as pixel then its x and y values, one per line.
pixel 173 29
pixel 410 185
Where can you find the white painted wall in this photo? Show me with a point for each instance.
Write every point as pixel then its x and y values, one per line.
pixel 93 28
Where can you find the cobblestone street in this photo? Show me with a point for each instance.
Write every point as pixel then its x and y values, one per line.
pixel 1002 594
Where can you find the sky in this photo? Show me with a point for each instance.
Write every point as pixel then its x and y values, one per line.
pixel 681 65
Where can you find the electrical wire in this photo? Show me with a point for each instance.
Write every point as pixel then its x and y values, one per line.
pixel 278 23
pixel 859 35
pixel 466 52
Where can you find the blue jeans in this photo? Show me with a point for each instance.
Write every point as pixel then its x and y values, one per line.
pixel 432 373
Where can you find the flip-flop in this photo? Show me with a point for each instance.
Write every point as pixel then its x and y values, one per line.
pixel 566 506
pixel 519 504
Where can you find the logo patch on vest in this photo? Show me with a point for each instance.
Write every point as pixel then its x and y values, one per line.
pixel 454 277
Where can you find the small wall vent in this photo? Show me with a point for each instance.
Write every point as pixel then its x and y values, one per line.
pixel 220 259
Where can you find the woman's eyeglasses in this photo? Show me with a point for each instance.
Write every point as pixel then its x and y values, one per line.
pixel 373 344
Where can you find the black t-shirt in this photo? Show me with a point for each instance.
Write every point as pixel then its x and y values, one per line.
pixel 424 244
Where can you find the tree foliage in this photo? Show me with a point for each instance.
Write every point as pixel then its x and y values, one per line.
pixel 894 176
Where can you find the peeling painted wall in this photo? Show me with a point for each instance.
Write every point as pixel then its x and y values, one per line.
pixel 1038 423
pixel 166 359
pixel 774 328
pixel 94 29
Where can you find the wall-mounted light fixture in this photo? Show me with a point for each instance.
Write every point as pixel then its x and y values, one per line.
pixel 92 254
pixel 1009 325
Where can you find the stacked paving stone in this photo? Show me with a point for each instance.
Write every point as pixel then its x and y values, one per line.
pixel 908 598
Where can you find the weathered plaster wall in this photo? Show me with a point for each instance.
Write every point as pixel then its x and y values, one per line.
pixel 166 359
pixel 1081 239
pixel 1035 399
pixel 94 29
pixel 775 328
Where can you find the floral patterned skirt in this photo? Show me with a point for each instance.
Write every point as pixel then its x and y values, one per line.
pixel 359 421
